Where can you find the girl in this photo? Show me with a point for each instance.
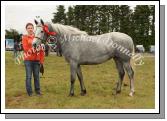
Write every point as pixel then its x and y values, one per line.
pixel 33 58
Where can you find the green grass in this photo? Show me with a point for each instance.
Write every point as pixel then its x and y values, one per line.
pixel 99 81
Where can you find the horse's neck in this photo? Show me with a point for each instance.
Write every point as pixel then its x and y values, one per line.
pixel 67 30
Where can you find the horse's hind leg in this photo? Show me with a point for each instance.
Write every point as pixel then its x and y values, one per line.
pixel 121 73
pixel 131 76
pixel 80 77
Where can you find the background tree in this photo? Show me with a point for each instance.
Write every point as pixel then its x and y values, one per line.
pixel 142 25
pixel 115 18
pixel 125 19
pixel 152 25
pixel 12 34
pixel 98 19
pixel 70 16
pixel 60 16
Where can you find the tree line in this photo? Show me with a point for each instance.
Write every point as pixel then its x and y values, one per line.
pixel 98 19
pixel 13 34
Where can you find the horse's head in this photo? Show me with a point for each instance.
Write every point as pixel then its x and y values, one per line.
pixel 41 33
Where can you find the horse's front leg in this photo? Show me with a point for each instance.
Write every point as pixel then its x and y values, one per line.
pixel 73 69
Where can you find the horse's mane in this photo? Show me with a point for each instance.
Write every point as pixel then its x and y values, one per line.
pixel 68 30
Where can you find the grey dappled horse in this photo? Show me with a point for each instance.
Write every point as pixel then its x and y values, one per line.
pixel 79 48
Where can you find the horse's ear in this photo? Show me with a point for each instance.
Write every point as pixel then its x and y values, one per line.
pixel 42 22
pixel 36 22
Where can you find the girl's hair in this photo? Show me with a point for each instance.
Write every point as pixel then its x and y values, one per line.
pixel 29 24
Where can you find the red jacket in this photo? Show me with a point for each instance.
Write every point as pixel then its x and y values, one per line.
pixel 29 52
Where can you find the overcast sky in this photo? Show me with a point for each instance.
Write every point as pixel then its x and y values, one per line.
pixel 16 16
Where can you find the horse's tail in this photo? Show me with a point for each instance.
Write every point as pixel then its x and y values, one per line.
pixel 132 61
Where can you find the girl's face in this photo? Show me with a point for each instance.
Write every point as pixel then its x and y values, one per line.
pixel 30 30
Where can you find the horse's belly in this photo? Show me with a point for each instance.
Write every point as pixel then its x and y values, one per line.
pixel 95 60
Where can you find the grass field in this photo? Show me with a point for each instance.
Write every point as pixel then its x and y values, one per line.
pixel 99 81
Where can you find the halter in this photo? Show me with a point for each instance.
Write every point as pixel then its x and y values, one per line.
pixel 46 30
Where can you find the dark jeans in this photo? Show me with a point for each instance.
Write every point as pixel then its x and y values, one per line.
pixel 15 53
pixel 32 67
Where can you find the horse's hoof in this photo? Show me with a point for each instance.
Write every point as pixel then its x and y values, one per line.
pixel 114 93
pixel 131 94
pixel 71 94
pixel 125 84
pixel 83 93
pixel 118 91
